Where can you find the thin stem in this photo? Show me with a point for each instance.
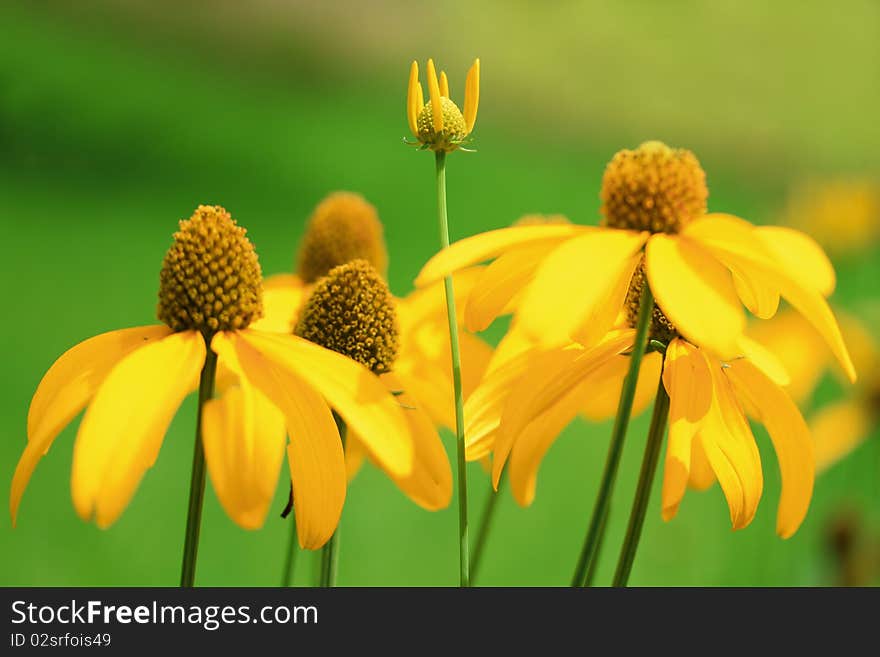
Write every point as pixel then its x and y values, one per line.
pixel 290 557
pixel 618 434
pixel 464 567
pixel 643 490
pixel 197 479
pixel 486 524
pixel 330 552
pixel 594 562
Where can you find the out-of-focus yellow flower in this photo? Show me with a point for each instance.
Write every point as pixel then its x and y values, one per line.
pixel 841 426
pixel 133 381
pixel 440 125
pixel 842 215
pixel 571 282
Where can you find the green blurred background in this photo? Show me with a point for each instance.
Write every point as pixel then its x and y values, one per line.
pixel 117 119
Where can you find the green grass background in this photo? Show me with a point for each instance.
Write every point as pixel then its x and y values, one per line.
pixel 116 122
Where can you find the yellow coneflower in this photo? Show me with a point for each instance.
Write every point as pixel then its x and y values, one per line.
pixel 702 268
pixel 133 381
pixel 841 214
pixel 440 125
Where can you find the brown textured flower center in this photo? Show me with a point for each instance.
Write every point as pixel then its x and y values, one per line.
pixel 210 279
pixel 351 311
pixel 661 328
pixel 653 188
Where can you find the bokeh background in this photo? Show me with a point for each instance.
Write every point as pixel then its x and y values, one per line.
pixel 118 118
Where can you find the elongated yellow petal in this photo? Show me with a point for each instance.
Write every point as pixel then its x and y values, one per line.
pixel 607 382
pixel 283 296
pixel 485 246
pixel 123 428
pixel 472 95
pixel 244 438
pixel 763 302
pixel 430 483
pixel 413 98
pixel 444 85
pixel 66 388
pixel 354 455
pixel 434 93
pixel 607 309
pixel 837 430
pixel 701 475
pixel 428 304
pixel 351 389
pixel 731 247
pixel 549 377
pixel 801 256
pixel 696 293
pixel 502 281
pixel 534 441
pixel 791 440
pixel 765 360
pixel 420 99
pixel 688 383
pixel 317 463
pixel 594 262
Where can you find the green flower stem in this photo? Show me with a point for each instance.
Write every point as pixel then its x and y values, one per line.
pixel 464 566
pixel 290 557
pixel 197 479
pixel 643 490
pixel 486 524
pixel 594 562
pixel 618 434
pixel 330 551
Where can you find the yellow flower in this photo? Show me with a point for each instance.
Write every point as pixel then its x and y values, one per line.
pixel 841 426
pixel 440 125
pixel 571 282
pixel 133 380
pixel 842 215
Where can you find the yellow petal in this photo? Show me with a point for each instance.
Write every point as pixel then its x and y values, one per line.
pixel 837 430
pixel 701 475
pixel 351 389
pixel 444 85
pixel 607 382
pixel 244 438
pixel 765 360
pixel 122 431
pixel 688 383
pixel 472 95
pixel 760 300
pixel 354 455
pixel 696 293
pixel 485 246
pixel 428 304
pixel 791 440
pixel 430 483
pixel 574 281
pixel 66 388
pixel 606 311
pixel 412 102
pixel 283 296
pixel 434 93
pixel 317 463
pixel 502 281
pixel 801 256
pixel 535 439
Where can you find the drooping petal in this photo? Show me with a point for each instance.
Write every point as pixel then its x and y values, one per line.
pixel 428 304
pixel 502 281
pixel 351 389
pixel 316 459
pixel 412 102
pixel 605 312
pixel 696 293
pixel 533 442
pixel 472 95
pixel 354 455
pixel 66 388
pixel 283 296
pixel 434 93
pixel 244 438
pixel 122 430
pixel 765 360
pixel 837 430
pixel 485 246
pixel 701 475
pixel 592 263
pixel 688 383
pixel 762 301
pixel 801 256
pixel 607 382
pixel 791 440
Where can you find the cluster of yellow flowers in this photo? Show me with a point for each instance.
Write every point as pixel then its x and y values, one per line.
pixel 326 366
